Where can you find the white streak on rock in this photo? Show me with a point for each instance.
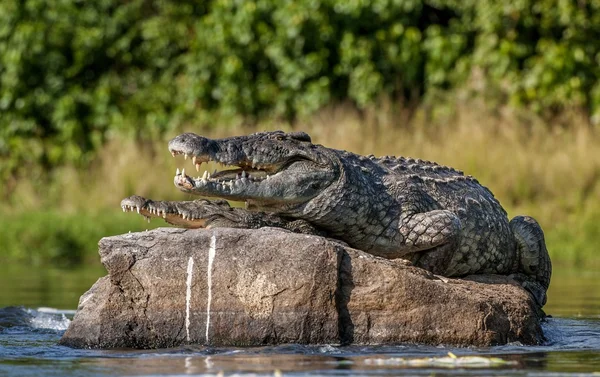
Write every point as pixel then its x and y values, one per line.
pixel 211 258
pixel 188 296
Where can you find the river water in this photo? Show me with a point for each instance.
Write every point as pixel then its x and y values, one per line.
pixel 36 305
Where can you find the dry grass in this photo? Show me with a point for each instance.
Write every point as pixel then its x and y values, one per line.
pixel 549 171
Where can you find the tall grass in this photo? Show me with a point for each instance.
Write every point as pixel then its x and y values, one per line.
pixel 549 170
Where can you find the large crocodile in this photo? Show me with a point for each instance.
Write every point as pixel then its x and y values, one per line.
pixel 393 207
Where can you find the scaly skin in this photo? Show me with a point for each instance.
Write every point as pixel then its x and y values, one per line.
pixel 432 215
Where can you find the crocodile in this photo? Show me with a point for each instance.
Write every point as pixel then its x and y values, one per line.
pixel 434 216
pixel 203 213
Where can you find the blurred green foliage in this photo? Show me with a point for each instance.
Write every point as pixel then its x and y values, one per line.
pixel 53 238
pixel 72 72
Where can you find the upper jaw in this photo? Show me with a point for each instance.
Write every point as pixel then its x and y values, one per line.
pixel 202 150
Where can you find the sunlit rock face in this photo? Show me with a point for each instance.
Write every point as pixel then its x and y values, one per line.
pixel 234 287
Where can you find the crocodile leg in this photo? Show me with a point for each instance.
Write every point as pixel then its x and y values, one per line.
pixel 202 213
pixel 432 239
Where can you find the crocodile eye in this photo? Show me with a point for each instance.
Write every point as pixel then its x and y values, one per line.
pixel 300 136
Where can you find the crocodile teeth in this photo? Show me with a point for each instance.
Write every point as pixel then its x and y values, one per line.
pixel 138 209
pixel 185 156
pixel 194 158
pixel 205 175
pixel 183 172
pixel 124 210
pixel 244 175
pixel 177 172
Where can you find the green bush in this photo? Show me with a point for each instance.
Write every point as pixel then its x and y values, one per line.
pixel 49 237
pixel 72 72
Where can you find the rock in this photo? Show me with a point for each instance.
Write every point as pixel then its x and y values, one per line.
pixel 235 287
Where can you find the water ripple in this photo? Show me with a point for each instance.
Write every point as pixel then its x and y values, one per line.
pixel 16 318
pixel 28 347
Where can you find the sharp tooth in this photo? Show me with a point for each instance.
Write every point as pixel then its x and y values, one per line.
pixel 205 175
pixel 197 167
pixel 173 154
pixel 244 175
pixel 183 172
pixel 185 156
pixel 138 209
pixel 124 210
pixel 194 158
pixel 268 176
pixel 177 172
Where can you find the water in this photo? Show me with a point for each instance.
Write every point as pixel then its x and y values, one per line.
pixel 28 341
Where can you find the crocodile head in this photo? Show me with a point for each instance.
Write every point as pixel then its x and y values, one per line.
pixel 270 169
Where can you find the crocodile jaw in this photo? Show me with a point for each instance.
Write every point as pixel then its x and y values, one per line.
pixel 270 173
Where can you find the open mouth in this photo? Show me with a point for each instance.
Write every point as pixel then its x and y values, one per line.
pixel 263 176
pixel 227 178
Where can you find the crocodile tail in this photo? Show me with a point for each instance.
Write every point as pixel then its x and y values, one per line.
pixel 532 254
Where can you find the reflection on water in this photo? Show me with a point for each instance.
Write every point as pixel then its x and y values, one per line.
pixel 574 293
pixel 28 340
pixel 42 286
pixel 34 354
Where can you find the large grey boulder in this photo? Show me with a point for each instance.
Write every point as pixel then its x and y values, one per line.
pixel 170 287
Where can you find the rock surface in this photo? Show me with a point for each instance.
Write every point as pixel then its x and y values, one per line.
pixel 234 287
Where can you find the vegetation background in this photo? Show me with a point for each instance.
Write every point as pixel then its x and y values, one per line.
pixel 90 92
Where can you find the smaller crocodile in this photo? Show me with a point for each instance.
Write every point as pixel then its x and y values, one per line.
pixel 203 213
